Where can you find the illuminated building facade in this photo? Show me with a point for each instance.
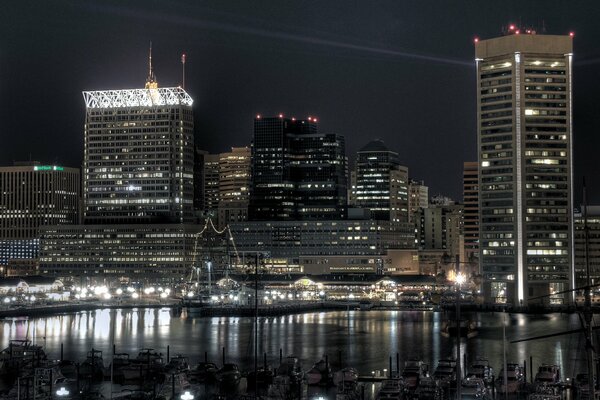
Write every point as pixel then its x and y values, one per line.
pixel 138 190
pixel 297 172
pixel 234 185
pixel 322 238
pixel 31 196
pixel 525 166
pixel 381 183
pixel 138 156
pixel 471 209
pixel 138 253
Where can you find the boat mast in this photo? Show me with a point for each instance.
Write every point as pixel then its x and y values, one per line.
pixel 587 310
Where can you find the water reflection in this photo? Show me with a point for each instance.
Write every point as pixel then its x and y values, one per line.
pixel 365 339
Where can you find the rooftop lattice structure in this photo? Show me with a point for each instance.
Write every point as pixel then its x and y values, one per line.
pixel 137 98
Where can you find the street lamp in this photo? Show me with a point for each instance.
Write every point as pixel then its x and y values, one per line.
pixel 187 396
pixel 62 392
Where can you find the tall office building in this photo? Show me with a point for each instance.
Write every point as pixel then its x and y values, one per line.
pixel 138 190
pixel 31 196
pixel 525 165
pixel 138 156
pixel 297 172
pixel 471 209
pixel 234 185
pixel 381 183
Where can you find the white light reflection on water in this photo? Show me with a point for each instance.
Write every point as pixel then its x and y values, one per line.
pixel 365 339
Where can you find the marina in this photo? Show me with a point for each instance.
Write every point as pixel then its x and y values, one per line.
pixel 370 347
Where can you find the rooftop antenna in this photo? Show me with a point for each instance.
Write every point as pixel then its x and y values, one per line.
pixel 183 70
pixel 151 80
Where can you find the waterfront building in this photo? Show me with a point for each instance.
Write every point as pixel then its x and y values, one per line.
pixel 297 172
pixel 471 210
pixel 135 253
pixel 138 190
pixel 324 238
pixel 389 262
pixel 33 195
pixel 234 185
pixel 381 183
pixel 525 166
pixel 138 155
pixel 418 197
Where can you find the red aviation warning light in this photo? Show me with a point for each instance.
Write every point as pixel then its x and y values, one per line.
pixel 572 34
pixel 475 39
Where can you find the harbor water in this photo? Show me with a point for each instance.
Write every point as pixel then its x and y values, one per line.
pixel 361 339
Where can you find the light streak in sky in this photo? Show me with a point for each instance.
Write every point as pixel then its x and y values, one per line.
pixel 293 37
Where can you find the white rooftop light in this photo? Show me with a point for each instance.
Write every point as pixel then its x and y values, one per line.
pixel 137 98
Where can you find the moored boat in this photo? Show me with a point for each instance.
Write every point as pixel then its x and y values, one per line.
pixel 391 389
pixel 319 374
pixel 345 375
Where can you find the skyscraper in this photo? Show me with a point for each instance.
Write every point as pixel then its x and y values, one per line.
pixel 138 155
pixel 138 190
pixel 297 172
pixel 381 183
pixel 525 166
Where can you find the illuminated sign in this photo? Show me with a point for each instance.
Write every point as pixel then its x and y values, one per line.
pixel 47 168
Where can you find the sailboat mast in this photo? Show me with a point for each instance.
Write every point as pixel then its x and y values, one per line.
pixel 588 302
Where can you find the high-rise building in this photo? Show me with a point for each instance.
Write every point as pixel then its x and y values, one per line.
pixel 211 185
pixel 471 209
pixel 138 156
pixel 138 190
pixel 234 185
pixel 297 172
pixel 31 196
pixel 525 166
pixel 418 197
pixel 381 183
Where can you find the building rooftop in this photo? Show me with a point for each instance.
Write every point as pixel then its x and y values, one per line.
pixel 137 98
pixel 375 145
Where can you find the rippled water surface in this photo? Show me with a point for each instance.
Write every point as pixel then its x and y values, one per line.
pixel 363 339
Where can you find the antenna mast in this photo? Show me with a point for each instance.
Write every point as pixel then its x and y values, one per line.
pixel 151 80
pixel 183 70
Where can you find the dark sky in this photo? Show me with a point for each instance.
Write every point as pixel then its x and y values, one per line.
pixel 401 71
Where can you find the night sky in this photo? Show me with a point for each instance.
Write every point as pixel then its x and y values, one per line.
pixel 401 71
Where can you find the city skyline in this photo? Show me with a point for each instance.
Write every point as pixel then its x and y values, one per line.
pixel 360 79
